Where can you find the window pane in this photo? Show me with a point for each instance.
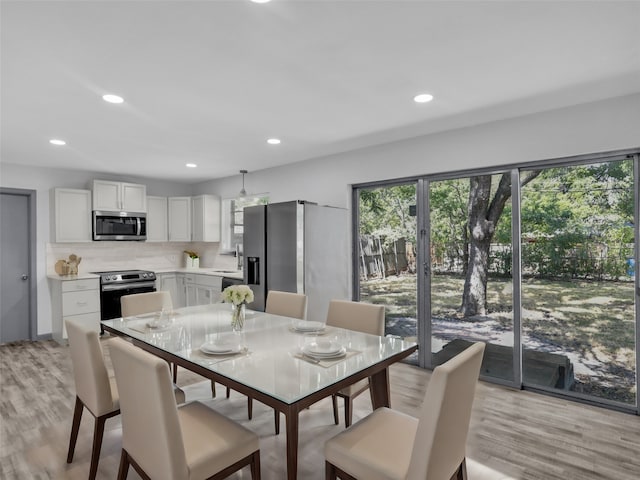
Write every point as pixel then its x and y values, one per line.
pixel 387 239
pixel 471 279
pixel 577 291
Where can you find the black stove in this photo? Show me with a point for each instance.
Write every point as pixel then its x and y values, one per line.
pixel 118 283
pixel 125 276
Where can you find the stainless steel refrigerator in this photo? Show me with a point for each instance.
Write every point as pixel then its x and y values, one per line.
pixel 298 247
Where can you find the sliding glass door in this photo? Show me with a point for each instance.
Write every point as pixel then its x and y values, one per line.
pixel 386 250
pixel 538 262
pixel 470 287
pixel 578 294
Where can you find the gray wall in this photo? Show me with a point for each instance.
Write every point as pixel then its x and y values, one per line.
pixel 588 128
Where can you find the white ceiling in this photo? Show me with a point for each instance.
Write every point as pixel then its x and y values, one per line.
pixel 209 81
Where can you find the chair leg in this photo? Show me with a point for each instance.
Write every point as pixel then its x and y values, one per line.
pixel 98 432
pixel 228 392
pixel 250 407
pixel 213 389
pixel 255 465
pixel 348 411
pixel 461 473
pixel 334 398
pixel 75 427
pixel 124 465
pixel 276 415
pixel 175 373
pixel 329 471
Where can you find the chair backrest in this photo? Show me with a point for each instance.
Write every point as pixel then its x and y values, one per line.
pixel 362 317
pixel 439 446
pixel 89 370
pixel 139 303
pixel 151 431
pixel 287 304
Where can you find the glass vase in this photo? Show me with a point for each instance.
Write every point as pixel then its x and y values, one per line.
pixel 238 313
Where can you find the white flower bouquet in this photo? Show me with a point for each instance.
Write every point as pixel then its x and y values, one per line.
pixel 238 296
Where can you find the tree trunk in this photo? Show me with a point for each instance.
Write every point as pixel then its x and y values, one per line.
pixel 474 299
pixel 484 214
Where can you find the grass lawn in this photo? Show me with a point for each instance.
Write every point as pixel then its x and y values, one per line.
pixel 592 323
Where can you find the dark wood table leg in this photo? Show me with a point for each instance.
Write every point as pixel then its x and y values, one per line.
pixel 291 416
pixel 380 396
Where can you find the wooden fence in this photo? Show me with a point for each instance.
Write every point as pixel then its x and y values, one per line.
pixel 378 260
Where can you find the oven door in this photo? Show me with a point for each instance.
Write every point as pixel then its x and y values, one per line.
pixel 111 294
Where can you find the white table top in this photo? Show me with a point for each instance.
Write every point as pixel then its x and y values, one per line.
pixel 271 360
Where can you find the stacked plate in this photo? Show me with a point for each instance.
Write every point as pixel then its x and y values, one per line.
pixel 324 350
pixel 219 348
pixel 307 326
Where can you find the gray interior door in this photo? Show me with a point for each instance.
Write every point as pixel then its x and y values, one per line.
pixel 15 288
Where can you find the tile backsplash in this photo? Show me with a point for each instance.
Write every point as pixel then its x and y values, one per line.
pixel 107 256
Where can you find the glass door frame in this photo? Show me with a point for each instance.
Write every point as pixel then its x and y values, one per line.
pixel 425 328
pixel 423 261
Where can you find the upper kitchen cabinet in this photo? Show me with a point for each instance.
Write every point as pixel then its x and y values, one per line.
pixel 205 218
pixel 179 219
pixel 157 226
pixel 119 196
pixel 71 213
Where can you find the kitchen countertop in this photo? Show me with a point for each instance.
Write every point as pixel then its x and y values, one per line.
pixel 65 278
pixel 237 274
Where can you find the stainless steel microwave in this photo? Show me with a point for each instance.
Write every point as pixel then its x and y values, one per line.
pixel 119 225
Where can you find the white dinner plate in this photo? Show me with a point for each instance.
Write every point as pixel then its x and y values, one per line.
pixel 324 350
pixel 339 354
pixel 221 348
pixel 309 326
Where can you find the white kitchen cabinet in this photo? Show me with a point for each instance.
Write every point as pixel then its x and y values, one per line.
pixel 202 289
pixel 205 218
pixel 157 225
pixel 119 196
pixel 181 292
pixel 71 214
pixel 179 219
pixel 77 299
pixel 174 284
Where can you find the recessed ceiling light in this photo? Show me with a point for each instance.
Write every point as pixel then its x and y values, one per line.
pixel 55 141
pixel 112 98
pixel 260 1
pixel 423 98
pixel 190 165
pixel 273 141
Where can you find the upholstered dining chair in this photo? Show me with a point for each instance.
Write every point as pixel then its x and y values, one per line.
pixel 95 390
pixel 287 304
pixel 361 317
pixel 148 302
pixel 393 446
pixel 140 303
pixel 165 442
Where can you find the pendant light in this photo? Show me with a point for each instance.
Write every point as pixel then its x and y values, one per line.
pixel 243 192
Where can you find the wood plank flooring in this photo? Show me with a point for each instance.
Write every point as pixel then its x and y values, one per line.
pixel 514 434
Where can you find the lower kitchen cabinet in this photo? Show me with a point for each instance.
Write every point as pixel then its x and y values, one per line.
pixel 174 284
pixel 202 289
pixel 77 299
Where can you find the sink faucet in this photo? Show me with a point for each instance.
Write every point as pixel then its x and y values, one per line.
pixel 239 256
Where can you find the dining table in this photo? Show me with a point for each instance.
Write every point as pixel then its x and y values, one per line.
pixel 285 363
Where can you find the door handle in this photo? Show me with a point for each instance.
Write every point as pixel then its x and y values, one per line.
pixel 25 276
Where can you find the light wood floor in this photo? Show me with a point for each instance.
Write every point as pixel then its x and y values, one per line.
pixel 514 434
